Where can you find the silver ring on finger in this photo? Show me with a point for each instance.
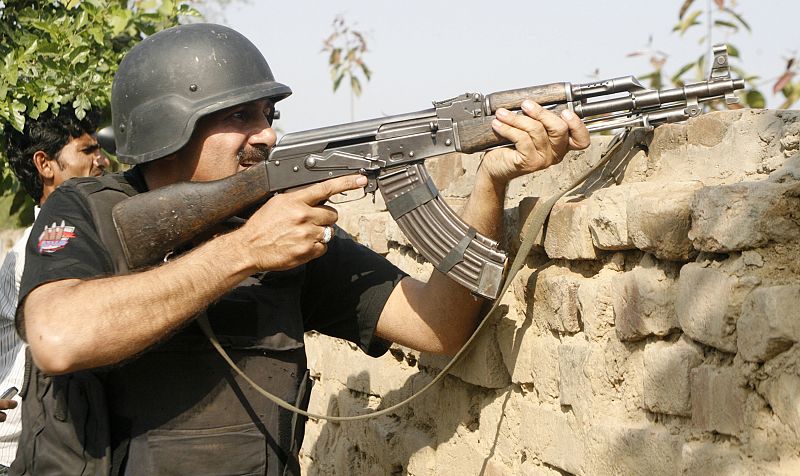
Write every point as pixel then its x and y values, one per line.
pixel 327 234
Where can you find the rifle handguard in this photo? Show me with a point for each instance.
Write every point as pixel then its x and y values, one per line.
pixel 438 234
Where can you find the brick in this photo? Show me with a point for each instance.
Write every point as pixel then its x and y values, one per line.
pixel 572 380
pixel 667 366
pixel 568 235
pixel 555 300
pixel 718 400
pixel 608 218
pixel 790 170
pixel 708 130
pixel 703 306
pixel 658 220
pixel 595 304
pixel 395 235
pixel 559 445
pixel 444 170
pixel 482 366
pixel 770 322
pixel 530 358
pixel 699 457
pixel 781 393
pixel 781 387
pixel 335 360
pixel 632 449
pixel 372 231
pixel 642 300
pixel 745 215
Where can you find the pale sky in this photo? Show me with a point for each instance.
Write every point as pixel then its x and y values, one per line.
pixel 422 51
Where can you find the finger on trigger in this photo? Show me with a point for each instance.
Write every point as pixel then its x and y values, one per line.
pixel 578 134
pixel 322 191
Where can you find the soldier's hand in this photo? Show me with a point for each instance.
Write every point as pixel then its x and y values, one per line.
pixel 541 139
pixel 289 229
pixel 6 405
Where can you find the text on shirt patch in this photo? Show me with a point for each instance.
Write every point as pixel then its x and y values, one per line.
pixel 55 237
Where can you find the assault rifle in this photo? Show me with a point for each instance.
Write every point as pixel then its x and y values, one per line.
pixel 391 152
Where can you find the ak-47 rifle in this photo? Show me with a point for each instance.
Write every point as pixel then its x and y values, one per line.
pixel 391 152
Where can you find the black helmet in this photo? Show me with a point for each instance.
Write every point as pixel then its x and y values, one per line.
pixel 171 79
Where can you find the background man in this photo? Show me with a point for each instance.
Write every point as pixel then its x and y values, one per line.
pixel 50 150
pixel 195 103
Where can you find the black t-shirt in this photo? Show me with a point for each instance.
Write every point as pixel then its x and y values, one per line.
pixel 342 292
pixel 174 397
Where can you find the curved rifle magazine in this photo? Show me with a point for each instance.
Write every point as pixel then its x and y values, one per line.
pixel 438 234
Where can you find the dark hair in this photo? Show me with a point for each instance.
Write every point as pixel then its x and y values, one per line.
pixel 47 133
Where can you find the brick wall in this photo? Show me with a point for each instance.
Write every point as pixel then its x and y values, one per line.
pixel 661 339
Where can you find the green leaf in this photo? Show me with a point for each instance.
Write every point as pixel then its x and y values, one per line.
pixel 355 86
pixel 166 8
pixel 688 22
pixel 119 21
pixel 16 116
pixel 337 81
pixel 684 8
pixel 739 18
pixel 733 51
pixel 32 48
pixel 726 24
pixel 755 99
pixel 335 57
pixel 366 71
pixel 79 58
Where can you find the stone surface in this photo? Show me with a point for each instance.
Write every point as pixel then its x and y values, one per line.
pixel 717 400
pixel 618 448
pixel 745 216
pixel 372 231
pixel 568 234
pixel 703 306
pixel 560 446
pixel 608 219
pixel 658 219
pixel 555 300
pixel 643 302
pixel 551 389
pixel 595 303
pixel 667 384
pixel 770 322
pixel 712 460
pixel 572 378
pixel 781 387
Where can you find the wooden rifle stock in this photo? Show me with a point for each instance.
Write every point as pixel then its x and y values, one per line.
pixel 153 224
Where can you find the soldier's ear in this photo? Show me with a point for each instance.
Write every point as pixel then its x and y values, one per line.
pixel 43 164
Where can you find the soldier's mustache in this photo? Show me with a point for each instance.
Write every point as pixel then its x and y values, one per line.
pixel 253 154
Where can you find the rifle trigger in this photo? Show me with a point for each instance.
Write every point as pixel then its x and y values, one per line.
pixel 372 186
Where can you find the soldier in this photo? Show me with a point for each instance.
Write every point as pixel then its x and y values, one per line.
pixel 49 151
pixel 195 103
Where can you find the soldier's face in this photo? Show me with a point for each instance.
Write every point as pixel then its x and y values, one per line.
pixel 81 157
pixel 231 140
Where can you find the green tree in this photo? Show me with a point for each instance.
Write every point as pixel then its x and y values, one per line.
pixel 346 48
pixel 63 53
pixel 717 19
